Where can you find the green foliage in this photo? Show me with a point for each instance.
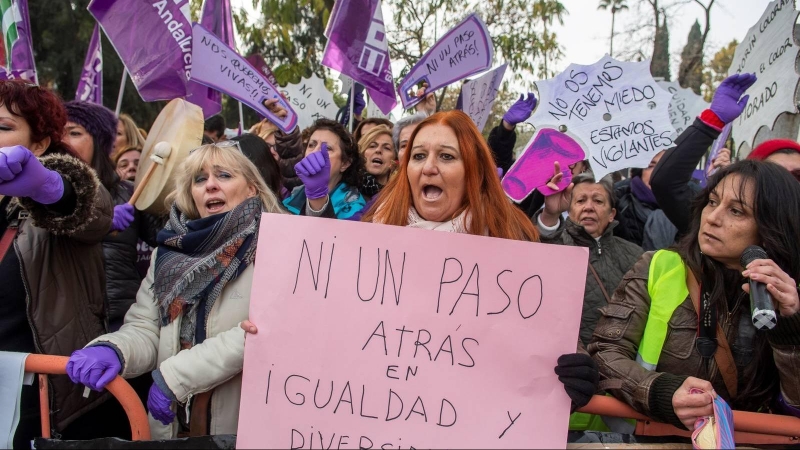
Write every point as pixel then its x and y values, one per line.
pixel 717 69
pixel 691 73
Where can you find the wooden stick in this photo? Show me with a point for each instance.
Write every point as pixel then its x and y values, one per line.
pixel 145 179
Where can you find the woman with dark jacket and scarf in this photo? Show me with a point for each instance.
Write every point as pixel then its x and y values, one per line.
pixel 55 212
pixel 90 130
pixel 680 320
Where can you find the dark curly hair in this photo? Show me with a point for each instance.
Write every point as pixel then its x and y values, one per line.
pixel 42 109
pixel 349 148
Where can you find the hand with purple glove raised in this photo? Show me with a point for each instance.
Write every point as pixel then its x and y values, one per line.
pixel 728 102
pixel 520 111
pixel 22 175
pixel 123 217
pixel 94 367
pixel 359 104
pixel 315 172
pixel 158 403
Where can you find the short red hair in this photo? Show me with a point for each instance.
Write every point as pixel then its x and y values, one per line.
pixel 489 210
pixel 42 109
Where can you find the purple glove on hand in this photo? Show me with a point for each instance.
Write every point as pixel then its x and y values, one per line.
pixel 93 366
pixel 123 217
pixel 521 110
pixel 359 103
pixel 22 175
pixel 159 405
pixel 726 103
pixel 315 172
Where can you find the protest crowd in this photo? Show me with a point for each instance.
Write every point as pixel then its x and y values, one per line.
pixel 163 299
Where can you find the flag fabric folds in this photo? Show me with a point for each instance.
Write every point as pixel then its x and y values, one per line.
pixel 17 52
pixel 90 86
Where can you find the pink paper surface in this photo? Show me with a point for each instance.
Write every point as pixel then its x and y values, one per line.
pixel 321 329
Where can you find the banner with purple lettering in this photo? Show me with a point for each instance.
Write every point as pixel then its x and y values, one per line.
pixel 465 50
pixel 157 51
pixel 361 52
pixel 218 66
pixel 17 51
pixel 216 18
pixel 90 86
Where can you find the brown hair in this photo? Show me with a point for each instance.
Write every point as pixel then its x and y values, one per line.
pixel 490 211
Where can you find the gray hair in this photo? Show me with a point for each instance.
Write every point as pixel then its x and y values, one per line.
pixel 606 182
pixel 404 122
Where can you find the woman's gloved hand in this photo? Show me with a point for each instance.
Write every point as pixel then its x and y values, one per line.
pixel 123 217
pixel 94 367
pixel 158 403
pixel 521 110
pixel 22 175
pixel 315 172
pixel 728 102
pixel 579 374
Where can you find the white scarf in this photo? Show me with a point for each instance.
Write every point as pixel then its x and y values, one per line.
pixel 456 225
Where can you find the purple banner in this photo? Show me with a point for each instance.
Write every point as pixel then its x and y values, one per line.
pixel 90 86
pixel 218 66
pixel 154 41
pixel 464 50
pixel 361 52
pixel 258 62
pixel 216 18
pixel 20 63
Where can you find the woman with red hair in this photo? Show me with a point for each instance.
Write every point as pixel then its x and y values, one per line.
pixel 448 181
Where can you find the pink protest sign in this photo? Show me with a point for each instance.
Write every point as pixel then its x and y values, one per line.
pixel 374 336
pixel 535 167
pixel 218 66
pixel 464 50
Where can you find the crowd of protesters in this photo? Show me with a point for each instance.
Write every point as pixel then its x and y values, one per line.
pixel 125 292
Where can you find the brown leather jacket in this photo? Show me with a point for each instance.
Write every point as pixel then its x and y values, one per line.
pixel 767 362
pixel 61 259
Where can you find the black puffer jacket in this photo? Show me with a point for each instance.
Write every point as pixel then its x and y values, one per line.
pixel 290 148
pixel 120 254
pixel 641 222
pixel 611 257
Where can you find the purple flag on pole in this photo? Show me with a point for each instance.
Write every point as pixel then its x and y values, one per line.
pixel 216 18
pixel 17 39
pixel 258 62
pixel 90 86
pixel 153 39
pixel 361 52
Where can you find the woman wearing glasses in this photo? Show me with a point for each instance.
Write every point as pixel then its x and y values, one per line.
pixel 184 324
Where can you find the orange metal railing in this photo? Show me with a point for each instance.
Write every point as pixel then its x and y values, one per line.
pixel 124 393
pixel 750 428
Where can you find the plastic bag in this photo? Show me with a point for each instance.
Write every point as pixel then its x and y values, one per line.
pixel 714 432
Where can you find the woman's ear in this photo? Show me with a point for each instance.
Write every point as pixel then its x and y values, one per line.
pixel 251 191
pixel 612 215
pixel 38 148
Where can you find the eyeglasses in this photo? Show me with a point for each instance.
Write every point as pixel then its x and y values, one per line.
pixel 221 144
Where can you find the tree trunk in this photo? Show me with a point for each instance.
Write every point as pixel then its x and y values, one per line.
pixel 613 16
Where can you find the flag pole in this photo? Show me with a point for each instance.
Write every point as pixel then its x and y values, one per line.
pixel 352 100
pixel 241 119
pixel 121 91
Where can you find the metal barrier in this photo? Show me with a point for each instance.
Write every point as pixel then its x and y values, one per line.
pixel 750 428
pixel 124 393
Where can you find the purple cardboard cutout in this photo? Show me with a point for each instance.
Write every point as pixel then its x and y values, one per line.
pixel 218 66
pixel 465 50
pixel 361 52
pixel 535 167
pixel 154 41
pixel 90 86
pixel 718 145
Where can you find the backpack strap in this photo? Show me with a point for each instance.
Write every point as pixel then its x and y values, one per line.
pixel 600 283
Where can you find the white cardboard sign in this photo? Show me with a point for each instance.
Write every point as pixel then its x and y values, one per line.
pixel 684 107
pixel 311 99
pixel 480 94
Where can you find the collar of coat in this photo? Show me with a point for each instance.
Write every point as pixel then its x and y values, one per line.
pixel 581 237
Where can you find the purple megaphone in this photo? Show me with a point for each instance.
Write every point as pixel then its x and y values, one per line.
pixel 535 167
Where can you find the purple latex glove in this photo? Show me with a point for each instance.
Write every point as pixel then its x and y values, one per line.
pixel 93 366
pixel 359 104
pixel 726 103
pixel 315 172
pixel 22 175
pixel 158 403
pixel 123 217
pixel 521 110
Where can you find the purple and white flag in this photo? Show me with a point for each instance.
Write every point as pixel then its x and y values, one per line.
pixel 90 86
pixel 258 62
pixel 216 18
pixel 153 40
pixel 361 52
pixel 17 48
pixel 218 66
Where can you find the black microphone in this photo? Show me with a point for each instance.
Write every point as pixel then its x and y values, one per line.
pixel 761 307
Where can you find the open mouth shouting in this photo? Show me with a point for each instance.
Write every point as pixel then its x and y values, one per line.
pixel 431 192
pixel 214 205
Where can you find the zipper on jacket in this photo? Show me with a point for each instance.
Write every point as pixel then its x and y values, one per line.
pixel 599 248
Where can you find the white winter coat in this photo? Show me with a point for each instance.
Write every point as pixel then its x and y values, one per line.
pixel 214 364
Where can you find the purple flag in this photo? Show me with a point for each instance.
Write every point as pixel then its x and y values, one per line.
pixel 217 19
pixel 90 86
pixel 258 62
pixel 17 39
pixel 153 39
pixel 361 52
pixel 218 66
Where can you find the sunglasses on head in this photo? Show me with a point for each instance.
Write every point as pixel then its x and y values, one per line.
pixel 221 144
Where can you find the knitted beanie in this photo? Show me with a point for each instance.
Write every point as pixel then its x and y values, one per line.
pixel 767 148
pixel 98 121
